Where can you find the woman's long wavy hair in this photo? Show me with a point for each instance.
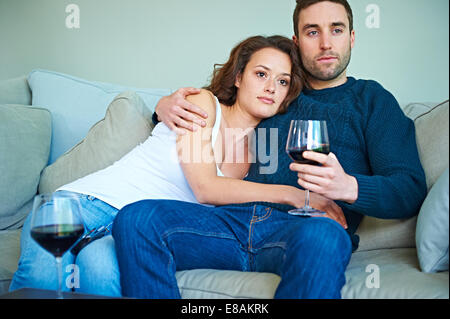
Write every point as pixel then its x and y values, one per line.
pixel 224 76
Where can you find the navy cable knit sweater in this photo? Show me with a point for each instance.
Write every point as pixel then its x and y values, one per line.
pixel 373 141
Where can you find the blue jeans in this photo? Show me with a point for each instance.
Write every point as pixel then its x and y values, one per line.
pixel 156 238
pixel 97 269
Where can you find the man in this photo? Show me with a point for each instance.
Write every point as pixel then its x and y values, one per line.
pixel 373 170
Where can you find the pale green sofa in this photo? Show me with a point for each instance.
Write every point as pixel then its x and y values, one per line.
pixel 387 264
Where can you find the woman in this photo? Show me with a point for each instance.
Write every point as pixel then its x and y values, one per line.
pixel 260 79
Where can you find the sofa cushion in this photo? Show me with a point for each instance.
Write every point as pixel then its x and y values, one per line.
pixel 15 91
pixel 433 227
pixel 77 104
pixel 375 233
pixel 126 124
pixel 399 277
pixel 24 149
pixel 226 284
pixel 392 274
pixel 432 131
pixel 9 252
pixel 414 110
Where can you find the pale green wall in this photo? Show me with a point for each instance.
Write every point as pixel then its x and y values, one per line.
pixel 174 43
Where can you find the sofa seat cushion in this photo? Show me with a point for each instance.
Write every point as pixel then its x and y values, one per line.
pixel 399 274
pixel 399 277
pixel 9 252
pixel 226 284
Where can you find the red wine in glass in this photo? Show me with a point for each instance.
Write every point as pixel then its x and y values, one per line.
pixel 307 135
pixel 297 154
pixel 56 225
pixel 57 239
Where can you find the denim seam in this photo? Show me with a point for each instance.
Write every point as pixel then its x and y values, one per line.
pixel 196 232
pixel 266 216
pixel 257 220
pixel 253 221
pixel 280 244
pixel 250 231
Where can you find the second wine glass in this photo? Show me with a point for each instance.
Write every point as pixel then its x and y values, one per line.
pixel 56 225
pixel 307 135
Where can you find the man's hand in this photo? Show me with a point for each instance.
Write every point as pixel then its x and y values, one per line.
pixel 178 114
pixel 329 180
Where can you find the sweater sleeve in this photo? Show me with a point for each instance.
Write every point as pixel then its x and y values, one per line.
pixel 397 187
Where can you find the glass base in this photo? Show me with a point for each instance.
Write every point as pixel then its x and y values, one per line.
pixel 306 211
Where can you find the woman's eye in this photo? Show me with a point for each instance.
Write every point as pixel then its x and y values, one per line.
pixel 261 74
pixel 284 82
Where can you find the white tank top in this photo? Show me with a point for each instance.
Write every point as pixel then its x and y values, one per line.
pixel 150 171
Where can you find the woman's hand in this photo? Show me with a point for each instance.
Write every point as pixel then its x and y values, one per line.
pixel 178 114
pixel 328 206
pixel 321 203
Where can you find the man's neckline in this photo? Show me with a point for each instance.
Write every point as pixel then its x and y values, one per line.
pixel 350 82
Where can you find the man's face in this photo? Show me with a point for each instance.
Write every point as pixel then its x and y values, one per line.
pixel 325 43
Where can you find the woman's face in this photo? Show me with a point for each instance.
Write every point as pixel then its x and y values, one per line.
pixel 265 82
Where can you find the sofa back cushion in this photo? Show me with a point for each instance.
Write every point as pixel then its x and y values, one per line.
pixel 126 124
pixel 432 131
pixel 25 134
pixel 77 104
pixel 15 91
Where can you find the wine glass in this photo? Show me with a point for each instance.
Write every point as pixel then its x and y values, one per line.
pixel 307 135
pixel 56 225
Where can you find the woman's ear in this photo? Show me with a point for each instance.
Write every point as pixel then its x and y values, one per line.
pixel 237 83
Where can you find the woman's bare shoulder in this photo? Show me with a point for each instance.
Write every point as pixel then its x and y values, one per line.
pixel 205 100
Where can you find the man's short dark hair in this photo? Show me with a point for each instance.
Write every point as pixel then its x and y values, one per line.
pixel 303 4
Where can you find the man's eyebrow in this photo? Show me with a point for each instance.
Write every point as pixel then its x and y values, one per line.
pixel 334 24
pixel 268 69
pixel 339 24
pixel 310 26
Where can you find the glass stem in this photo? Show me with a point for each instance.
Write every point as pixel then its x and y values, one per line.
pixel 59 268
pixel 307 198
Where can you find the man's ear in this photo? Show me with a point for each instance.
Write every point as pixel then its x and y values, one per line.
pixel 295 39
pixel 352 39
